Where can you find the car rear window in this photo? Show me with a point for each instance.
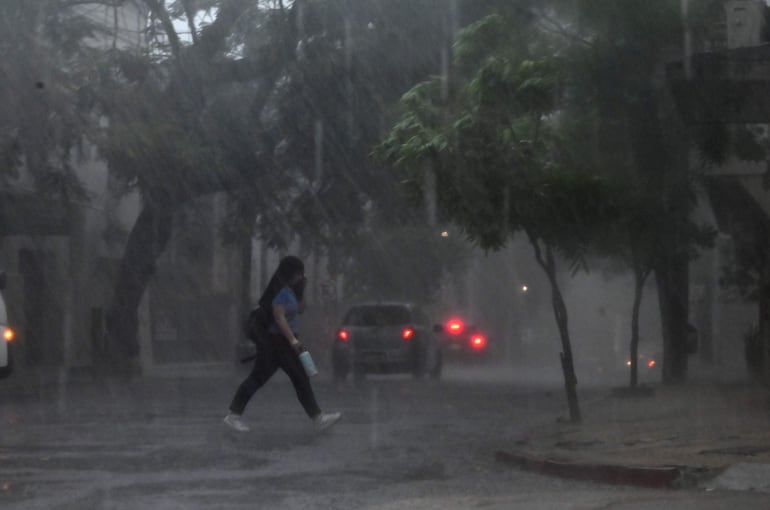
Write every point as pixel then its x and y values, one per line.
pixel 377 316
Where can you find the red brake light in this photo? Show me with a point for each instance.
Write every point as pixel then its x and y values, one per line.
pixel 651 363
pixel 407 333
pixel 455 326
pixel 478 341
pixel 8 334
pixel 343 335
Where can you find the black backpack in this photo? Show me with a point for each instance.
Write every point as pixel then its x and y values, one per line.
pixel 257 323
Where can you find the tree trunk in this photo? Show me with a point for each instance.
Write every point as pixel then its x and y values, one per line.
pixel 639 278
pixel 146 242
pixel 560 312
pixel 672 275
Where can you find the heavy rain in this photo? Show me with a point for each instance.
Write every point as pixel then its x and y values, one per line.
pixel 384 254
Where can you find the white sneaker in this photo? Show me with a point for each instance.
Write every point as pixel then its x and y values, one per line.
pixel 323 421
pixel 235 422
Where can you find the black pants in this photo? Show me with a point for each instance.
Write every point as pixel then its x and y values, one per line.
pixel 274 352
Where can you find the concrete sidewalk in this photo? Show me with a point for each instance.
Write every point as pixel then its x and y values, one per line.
pixel 699 434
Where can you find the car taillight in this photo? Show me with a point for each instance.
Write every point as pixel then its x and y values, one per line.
pixel 478 341
pixel 343 335
pixel 455 326
pixel 407 333
pixel 651 363
pixel 8 334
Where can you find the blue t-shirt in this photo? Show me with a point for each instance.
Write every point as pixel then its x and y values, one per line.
pixel 288 300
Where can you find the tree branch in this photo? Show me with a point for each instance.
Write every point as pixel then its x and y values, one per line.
pixel 213 37
pixel 559 29
pixel 189 12
pixel 538 252
pixel 158 8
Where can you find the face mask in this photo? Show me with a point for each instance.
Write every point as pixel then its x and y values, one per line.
pixel 299 288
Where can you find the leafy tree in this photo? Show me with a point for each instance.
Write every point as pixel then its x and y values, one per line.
pixel 356 59
pixel 294 158
pixel 635 238
pixel 184 123
pixel 44 61
pixel 617 51
pixel 499 162
pixel 641 234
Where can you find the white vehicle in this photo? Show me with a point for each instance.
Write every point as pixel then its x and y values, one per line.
pixel 6 335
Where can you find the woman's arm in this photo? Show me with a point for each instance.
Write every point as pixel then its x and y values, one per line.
pixel 279 313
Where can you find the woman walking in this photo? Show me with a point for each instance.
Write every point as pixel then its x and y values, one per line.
pixel 280 348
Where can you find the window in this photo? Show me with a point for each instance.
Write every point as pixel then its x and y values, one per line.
pixel 377 316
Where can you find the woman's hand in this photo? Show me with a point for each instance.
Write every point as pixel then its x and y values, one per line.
pixel 296 345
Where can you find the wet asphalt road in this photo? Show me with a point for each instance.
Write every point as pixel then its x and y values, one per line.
pixel 159 443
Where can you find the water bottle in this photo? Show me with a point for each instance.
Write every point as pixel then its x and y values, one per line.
pixel 307 363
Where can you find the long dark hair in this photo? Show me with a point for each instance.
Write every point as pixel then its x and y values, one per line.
pixel 287 268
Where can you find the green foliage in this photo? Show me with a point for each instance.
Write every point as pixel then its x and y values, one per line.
pixel 183 125
pixel 494 148
pixel 282 116
pixel 355 58
pixel 44 62
pixel 489 38
pixel 571 138
pixel 645 226
pixel 163 159
pixel 618 104
pixel 418 135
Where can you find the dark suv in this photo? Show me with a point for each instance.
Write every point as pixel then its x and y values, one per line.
pixel 386 338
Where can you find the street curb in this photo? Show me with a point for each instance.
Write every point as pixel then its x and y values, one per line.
pixel 659 477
